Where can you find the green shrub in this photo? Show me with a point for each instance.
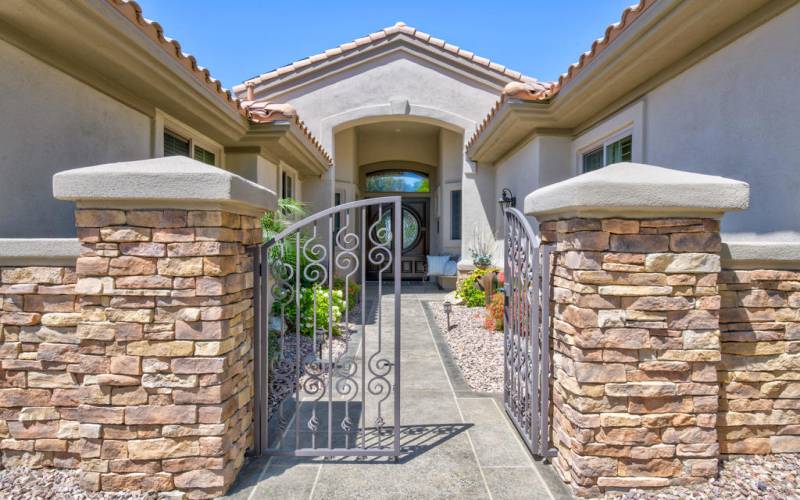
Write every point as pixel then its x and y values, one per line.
pixel 469 291
pixel 353 290
pixel 307 310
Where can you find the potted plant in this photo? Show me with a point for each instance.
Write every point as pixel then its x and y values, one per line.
pixel 482 248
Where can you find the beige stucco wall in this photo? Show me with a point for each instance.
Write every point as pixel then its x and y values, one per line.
pixel 254 167
pixel 51 122
pixel 735 114
pixel 385 145
pixel 542 160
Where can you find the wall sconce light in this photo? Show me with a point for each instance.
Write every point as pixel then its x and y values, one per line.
pixel 448 308
pixel 507 199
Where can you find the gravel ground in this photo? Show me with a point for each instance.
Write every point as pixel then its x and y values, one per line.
pixel 768 477
pixel 22 483
pixel 477 351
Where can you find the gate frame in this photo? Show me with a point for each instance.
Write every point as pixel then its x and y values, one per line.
pixel 262 306
pixel 537 437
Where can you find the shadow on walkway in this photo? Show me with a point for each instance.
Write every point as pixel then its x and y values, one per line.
pixel 414 441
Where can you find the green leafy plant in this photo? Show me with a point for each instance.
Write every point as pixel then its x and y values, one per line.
pixel 469 291
pixel 494 318
pixel 307 306
pixel 273 223
pixel 283 259
pixel 353 290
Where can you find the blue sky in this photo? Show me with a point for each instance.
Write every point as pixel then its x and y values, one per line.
pixel 538 38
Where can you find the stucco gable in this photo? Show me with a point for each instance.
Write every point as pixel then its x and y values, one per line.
pixel 372 45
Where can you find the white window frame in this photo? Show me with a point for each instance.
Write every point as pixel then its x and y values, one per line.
pixel 629 121
pixel 164 122
pixel 604 146
pixel 446 220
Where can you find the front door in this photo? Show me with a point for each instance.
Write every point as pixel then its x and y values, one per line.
pixel 415 238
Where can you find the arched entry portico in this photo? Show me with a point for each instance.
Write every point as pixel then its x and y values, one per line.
pixel 406 149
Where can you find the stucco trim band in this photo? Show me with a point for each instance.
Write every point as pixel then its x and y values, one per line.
pixel 160 182
pixel 761 255
pixel 638 190
pixel 38 251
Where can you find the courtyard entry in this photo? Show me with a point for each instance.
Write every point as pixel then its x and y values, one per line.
pixel 414 158
pixel 526 354
pixel 327 369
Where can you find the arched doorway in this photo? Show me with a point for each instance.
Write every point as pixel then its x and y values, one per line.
pixel 414 186
pixel 420 161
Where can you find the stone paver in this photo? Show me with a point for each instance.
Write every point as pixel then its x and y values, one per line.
pixel 457 444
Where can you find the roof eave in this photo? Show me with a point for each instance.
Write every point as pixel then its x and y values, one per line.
pixel 623 71
pixel 99 44
pixel 285 140
pixel 514 121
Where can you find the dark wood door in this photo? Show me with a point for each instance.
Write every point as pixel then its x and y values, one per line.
pixel 414 234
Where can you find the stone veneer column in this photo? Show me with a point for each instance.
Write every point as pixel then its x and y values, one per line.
pixel 635 324
pixel 165 285
pixel 39 354
pixel 760 333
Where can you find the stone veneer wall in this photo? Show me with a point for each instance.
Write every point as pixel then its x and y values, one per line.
pixel 760 369
pixel 40 367
pixel 636 342
pixel 165 348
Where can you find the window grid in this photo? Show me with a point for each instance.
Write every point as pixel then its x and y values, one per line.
pixel 204 155
pixel 175 145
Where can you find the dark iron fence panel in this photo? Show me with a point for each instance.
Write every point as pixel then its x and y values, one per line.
pixel 315 394
pixel 527 356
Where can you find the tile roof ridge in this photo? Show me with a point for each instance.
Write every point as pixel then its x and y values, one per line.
pixel 133 12
pixel 628 16
pixel 397 28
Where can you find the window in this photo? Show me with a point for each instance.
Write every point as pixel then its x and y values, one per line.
pixel 287 188
pixel 593 160
pixel 612 151
pixel 175 145
pixel 455 214
pixel 204 155
pixel 398 181
pixel 337 220
pixel 411 228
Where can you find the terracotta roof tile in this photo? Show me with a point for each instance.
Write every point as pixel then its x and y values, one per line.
pixel 268 112
pixel 380 35
pixel 131 10
pixel 532 93
pixel 256 112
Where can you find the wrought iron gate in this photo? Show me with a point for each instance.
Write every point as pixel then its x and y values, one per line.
pixel 526 387
pixel 316 394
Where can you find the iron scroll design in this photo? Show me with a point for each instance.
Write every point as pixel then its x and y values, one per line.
pixel 526 347
pixel 331 385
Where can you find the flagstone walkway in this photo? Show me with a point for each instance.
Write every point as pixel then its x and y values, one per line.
pixel 457 444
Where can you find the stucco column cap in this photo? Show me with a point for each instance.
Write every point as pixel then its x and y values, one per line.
pixel 169 182
pixel 636 190
pixel 764 253
pixel 39 251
